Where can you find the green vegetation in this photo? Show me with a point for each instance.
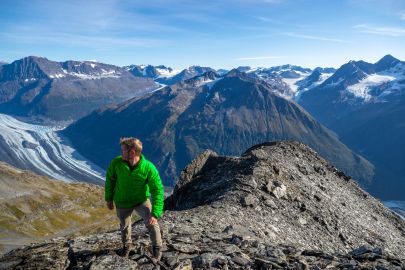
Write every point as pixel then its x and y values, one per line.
pixel 49 208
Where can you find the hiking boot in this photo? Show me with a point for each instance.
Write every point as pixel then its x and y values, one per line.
pixel 127 248
pixel 157 253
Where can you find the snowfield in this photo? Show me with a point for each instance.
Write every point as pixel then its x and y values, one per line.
pixel 393 77
pixel 44 151
pixel 397 206
pixel 362 88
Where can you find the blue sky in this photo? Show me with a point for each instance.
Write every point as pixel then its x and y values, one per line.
pixel 219 34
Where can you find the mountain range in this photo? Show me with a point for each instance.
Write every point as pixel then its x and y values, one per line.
pixel 39 88
pixel 361 102
pixel 227 114
pixel 364 104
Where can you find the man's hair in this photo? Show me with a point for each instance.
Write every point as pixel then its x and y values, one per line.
pixel 132 143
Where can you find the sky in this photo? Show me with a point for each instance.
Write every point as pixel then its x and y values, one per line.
pixel 214 33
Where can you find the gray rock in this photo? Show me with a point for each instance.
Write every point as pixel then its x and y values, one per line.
pixel 241 260
pixel 279 191
pixel 209 259
pixel 185 248
pixel 113 262
pixel 249 200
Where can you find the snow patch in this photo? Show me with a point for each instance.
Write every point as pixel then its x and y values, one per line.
pixel 211 83
pixel 95 76
pixel 57 76
pixel 362 88
pixel 166 73
pixel 339 81
pixel 397 206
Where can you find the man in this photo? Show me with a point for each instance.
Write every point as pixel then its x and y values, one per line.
pixel 130 180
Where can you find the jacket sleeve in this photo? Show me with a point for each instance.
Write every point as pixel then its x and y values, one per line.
pixel 110 180
pixel 157 191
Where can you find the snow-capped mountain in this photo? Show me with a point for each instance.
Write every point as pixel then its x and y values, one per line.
pixel 226 114
pixel 353 85
pixel 317 77
pixel 185 74
pixel 291 81
pixel 364 104
pixel 396 206
pixel 222 71
pixel 43 150
pixel 33 68
pixel 208 78
pixel 150 71
pixel 37 87
pixel 166 75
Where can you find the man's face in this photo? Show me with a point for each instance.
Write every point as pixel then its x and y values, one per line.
pixel 126 154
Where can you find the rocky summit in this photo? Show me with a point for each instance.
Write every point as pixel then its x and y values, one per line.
pixel 277 206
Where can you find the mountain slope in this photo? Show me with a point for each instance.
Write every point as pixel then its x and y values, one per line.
pixel 34 208
pixel 354 85
pixel 227 115
pixel 278 206
pixel 39 88
pixel 376 131
pixel 364 104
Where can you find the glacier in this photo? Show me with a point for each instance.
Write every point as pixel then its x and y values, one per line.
pixel 43 150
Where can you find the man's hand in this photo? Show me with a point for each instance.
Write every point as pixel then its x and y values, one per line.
pixel 152 220
pixel 110 205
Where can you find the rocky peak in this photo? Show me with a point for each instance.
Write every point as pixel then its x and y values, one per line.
pixel 350 73
pixel 325 70
pixel 205 77
pixel 277 206
pixel 387 62
pixel 244 68
pixel 236 73
pixel 31 67
pixel 279 187
pixel 314 75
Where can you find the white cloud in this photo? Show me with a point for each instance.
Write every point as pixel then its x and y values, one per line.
pixel 257 58
pixel 402 16
pixel 386 31
pixel 292 34
pixel 97 42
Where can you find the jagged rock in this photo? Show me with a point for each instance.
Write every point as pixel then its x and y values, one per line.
pixel 298 232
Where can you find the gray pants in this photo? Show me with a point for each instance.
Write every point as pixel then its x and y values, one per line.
pixel 144 210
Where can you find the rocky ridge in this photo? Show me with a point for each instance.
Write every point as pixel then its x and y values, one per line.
pixel 45 90
pixel 277 206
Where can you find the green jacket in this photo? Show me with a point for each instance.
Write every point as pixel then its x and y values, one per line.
pixel 128 189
